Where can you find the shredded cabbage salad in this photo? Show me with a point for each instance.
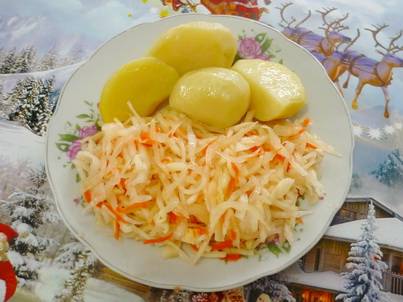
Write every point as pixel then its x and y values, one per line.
pixel 201 192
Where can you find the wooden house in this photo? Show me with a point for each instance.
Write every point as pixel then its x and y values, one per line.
pixel 355 208
pixel 317 276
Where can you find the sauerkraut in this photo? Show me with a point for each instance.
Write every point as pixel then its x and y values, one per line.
pixel 198 191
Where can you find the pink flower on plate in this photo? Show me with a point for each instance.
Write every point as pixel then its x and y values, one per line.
pixel 249 48
pixel 87 131
pixel 74 148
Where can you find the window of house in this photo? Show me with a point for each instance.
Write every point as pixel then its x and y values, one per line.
pixel 310 295
pixel 385 258
pixel 397 265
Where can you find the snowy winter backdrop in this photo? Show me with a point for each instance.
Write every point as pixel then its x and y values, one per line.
pixel 363 281
pixel 48 40
pixel 42 42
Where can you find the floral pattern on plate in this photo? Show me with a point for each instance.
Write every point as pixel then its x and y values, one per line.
pixel 89 124
pixel 258 46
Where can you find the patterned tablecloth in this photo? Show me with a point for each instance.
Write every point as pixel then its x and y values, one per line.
pixel 43 42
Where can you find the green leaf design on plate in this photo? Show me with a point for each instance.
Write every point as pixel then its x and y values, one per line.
pixel 83 116
pixel 260 37
pixel 63 146
pixel 266 44
pixel 68 137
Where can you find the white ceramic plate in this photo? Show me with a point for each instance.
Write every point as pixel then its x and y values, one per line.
pixel 144 263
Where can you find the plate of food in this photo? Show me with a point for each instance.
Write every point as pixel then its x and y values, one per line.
pixel 199 152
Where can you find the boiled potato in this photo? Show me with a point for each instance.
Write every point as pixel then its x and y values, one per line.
pixel 276 91
pixel 196 45
pixel 145 82
pixel 218 97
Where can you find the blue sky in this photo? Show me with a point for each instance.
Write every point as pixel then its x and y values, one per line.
pixel 96 18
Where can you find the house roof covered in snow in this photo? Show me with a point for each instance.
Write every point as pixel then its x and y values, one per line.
pixel 322 280
pixel 386 207
pixel 389 232
pixel 326 280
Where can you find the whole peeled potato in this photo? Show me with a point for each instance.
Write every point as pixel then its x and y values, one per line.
pixel 196 45
pixel 218 97
pixel 276 91
pixel 145 83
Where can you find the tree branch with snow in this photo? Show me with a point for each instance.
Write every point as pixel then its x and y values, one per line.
pixel 363 280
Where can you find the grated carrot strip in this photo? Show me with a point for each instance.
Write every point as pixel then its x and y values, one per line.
pixel 87 196
pixel 158 240
pixel 135 206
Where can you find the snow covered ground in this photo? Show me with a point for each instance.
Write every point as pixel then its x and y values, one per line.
pixel 51 282
pixel 394 298
pixel 61 74
pixel 18 144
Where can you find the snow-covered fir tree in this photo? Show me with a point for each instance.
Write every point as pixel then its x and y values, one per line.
pixel 75 285
pixel 13 177
pixel 49 60
pixel 33 106
pixel 69 254
pixel 8 63
pixel 29 211
pixel 1 93
pixel 356 182
pixel 6 104
pixel 273 286
pixel 390 172
pixel 18 62
pixel 82 263
pixel 25 60
pixel 363 280
pixel 2 55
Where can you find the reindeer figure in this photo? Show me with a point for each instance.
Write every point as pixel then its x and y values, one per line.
pixel 292 32
pixel 375 73
pixel 332 31
pixel 336 64
pixel 310 40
